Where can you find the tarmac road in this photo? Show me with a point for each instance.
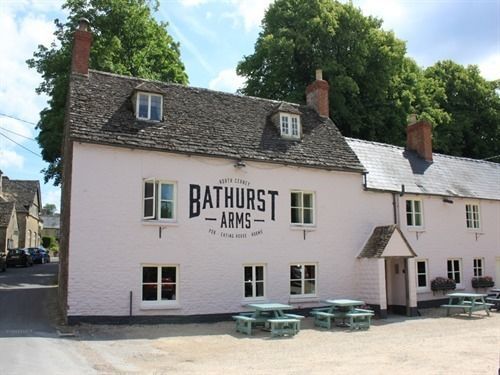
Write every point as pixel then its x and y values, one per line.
pixel 29 339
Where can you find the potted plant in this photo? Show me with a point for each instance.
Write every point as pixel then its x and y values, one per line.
pixel 443 284
pixel 482 282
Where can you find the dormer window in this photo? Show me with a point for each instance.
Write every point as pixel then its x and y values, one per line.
pixel 149 106
pixel 290 125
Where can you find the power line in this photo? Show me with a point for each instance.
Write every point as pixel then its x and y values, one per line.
pixel 492 157
pixel 20 145
pixel 20 135
pixel 18 119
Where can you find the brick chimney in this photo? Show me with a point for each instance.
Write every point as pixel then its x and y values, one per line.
pixel 419 138
pixel 81 48
pixel 317 95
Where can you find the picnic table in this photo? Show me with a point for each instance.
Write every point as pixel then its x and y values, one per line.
pixel 270 316
pixel 494 298
pixel 341 310
pixel 467 302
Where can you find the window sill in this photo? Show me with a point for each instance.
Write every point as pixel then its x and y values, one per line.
pixel 160 306
pixel 309 228
pixel 160 223
pixel 415 229
pixel 299 299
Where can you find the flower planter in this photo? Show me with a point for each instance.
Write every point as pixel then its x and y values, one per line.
pixel 482 282
pixel 441 284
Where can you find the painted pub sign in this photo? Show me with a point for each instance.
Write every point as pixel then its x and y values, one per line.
pixel 233 208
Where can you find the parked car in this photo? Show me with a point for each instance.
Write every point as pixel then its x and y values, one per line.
pixel 19 257
pixel 39 255
pixel 3 262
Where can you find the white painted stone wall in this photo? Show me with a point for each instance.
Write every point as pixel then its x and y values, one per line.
pixel 109 241
pixel 445 235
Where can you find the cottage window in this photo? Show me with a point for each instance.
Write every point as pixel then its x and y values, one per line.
pixel 303 279
pixel 159 283
pixel 290 125
pixel 477 267
pixel 159 199
pixel 422 276
pixel 472 216
pixel 454 270
pixel 149 107
pixel 253 279
pixel 302 207
pixel 414 217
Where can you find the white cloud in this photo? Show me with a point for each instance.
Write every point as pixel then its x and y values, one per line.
pixel 227 80
pixel 250 12
pixel 192 3
pixel 393 12
pixel 10 159
pixel 490 67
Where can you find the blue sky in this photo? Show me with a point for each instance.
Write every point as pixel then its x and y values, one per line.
pixel 214 36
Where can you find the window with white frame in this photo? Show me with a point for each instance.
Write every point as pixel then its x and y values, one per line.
pixel 159 200
pixel 455 270
pixel 302 279
pixel 159 283
pixel 149 106
pixel 414 217
pixel 290 125
pixel 302 207
pixel 477 267
pixel 472 216
pixel 253 281
pixel 422 276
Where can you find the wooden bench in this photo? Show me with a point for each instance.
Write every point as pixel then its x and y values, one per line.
pixel 359 319
pixel 282 327
pixel 322 318
pixel 467 307
pixel 244 323
pixel 495 302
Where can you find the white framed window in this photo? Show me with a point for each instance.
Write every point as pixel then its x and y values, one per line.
pixel 253 281
pixel 302 207
pixel 149 106
pixel 477 267
pixel 414 215
pixel 303 279
pixel 159 200
pixel 290 125
pixel 422 275
pixel 472 216
pixel 455 270
pixel 160 284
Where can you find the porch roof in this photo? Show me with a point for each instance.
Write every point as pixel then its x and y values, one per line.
pixel 386 241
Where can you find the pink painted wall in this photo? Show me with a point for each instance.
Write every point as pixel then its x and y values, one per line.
pixel 445 235
pixel 109 240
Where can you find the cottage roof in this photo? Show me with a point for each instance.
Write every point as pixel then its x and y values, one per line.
pixel 379 243
pixel 201 121
pixel 6 213
pixel 23 192
pixel 51 221
pixel 389 167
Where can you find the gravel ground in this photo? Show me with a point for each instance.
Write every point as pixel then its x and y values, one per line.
pixel 430 344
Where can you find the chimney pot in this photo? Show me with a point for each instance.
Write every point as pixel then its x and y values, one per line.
pixel 83 24
pixel 317 95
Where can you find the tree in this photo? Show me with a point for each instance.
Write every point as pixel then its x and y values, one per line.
pixel 127 40
pixel 473 106
pixel 49 209
pixel 361 61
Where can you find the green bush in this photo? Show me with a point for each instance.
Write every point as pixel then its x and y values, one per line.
pixel 48 241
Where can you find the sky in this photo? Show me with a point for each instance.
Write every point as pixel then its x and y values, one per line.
pixel 214 36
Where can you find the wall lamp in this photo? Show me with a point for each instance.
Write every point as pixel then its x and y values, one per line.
pixel 448 200
pixel 240 164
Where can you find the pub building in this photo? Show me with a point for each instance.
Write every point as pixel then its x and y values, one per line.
pixel 186 204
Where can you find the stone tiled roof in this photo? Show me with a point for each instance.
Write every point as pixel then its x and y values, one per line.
pixel 376 244
pixel 6 213
pixel 20 191
pixel 203 122
pixel 389 167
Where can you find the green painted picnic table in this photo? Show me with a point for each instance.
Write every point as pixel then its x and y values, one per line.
pixel 468 302
pixel 341 310
pixel 342 307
